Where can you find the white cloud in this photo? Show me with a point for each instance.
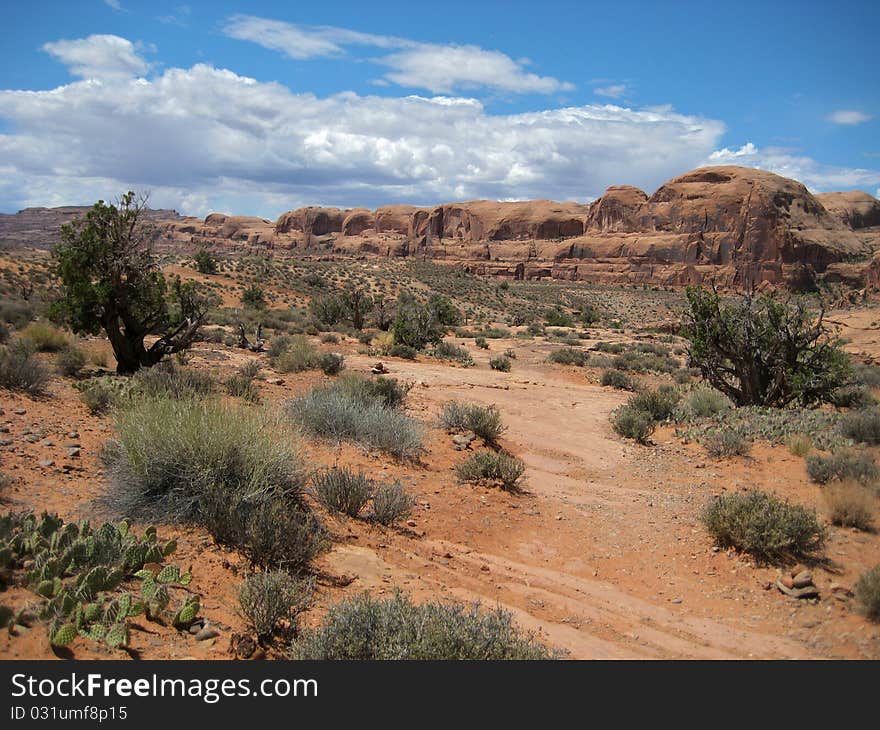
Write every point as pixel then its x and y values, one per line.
pixel 302 41
pixel 179 17
pixel 115 4
pixel 440 68
pixel 615 91
pixel 99 57
pixel 208 139
pixel 848 117
pixel 816 176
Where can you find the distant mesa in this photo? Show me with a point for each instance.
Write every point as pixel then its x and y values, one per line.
pixel 733 225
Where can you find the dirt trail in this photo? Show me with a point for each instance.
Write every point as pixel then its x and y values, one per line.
pixel 603 554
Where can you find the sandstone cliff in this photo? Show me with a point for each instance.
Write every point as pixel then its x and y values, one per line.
pixel 736 226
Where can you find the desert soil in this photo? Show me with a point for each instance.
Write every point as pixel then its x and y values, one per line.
pixel 602 554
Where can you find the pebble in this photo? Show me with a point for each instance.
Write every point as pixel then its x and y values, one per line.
pixel 207 632
pixel 5 442
pixel 45 463
pixel 73 452
pixel 19 411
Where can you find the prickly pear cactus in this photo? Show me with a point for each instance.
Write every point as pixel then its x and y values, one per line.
pixel 77 571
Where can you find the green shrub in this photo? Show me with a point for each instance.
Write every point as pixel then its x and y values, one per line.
pixel 501 362
pixel 254 296
pixel 617 379
pixel 278 345
pixel 633 423
pixel 391 503
pixel 331 363
pixel 867 593
pixel 271 532
pixel 849 505
pixel 269 598
pixel 341 489
pixel 484 421
pixel 330 338
pixel 614 348
pixel 364 628
pixel 770 529
pixel 569 356
pixel 417 325
pixel 659 403
pixel 240 385
pixel 450 351
pixel 388 391
pixel 98 396
pixel 16 312
pixel 867 374
pixel 404 352
pixel 298 355
pixel 492 466
pixel 852 396
pixel 701 401
pixel 862 426
pixel 167 380
pixel 841 465
pixel 205 262
pixel 21 371
pixel 70 361
pixel 340 415
pixel 726 442
pixel 45 337
pixel 481 343
pixel 643 362
pixel 229 469
pixel 558 318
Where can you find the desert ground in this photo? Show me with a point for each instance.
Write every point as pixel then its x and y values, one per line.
pixel 601 553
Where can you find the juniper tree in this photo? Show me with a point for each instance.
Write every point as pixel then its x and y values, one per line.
pixel 764 350
pixel 111 281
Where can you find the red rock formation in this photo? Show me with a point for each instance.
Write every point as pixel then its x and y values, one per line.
pixel 855 208
pixel 739 226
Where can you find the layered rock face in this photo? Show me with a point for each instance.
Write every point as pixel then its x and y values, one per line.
pixel 735 226
pixel 218 229
pixel 41 227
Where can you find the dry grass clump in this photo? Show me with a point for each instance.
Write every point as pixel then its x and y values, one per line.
pixel 850 504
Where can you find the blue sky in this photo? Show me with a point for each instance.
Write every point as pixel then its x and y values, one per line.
pixel 259 107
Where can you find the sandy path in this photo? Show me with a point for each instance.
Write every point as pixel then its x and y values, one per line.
pixel 594 507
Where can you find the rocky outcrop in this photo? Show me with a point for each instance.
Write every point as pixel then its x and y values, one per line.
pixel 737 226
pixel 218 229
pixel 312 221
pixel 41 227
pixel 855 208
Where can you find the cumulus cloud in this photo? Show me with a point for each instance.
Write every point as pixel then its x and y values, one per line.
pixel 848 117
pixel 615 91
pixel 207 139
pixel 99 57
pixel 816 176
pixel 439 68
